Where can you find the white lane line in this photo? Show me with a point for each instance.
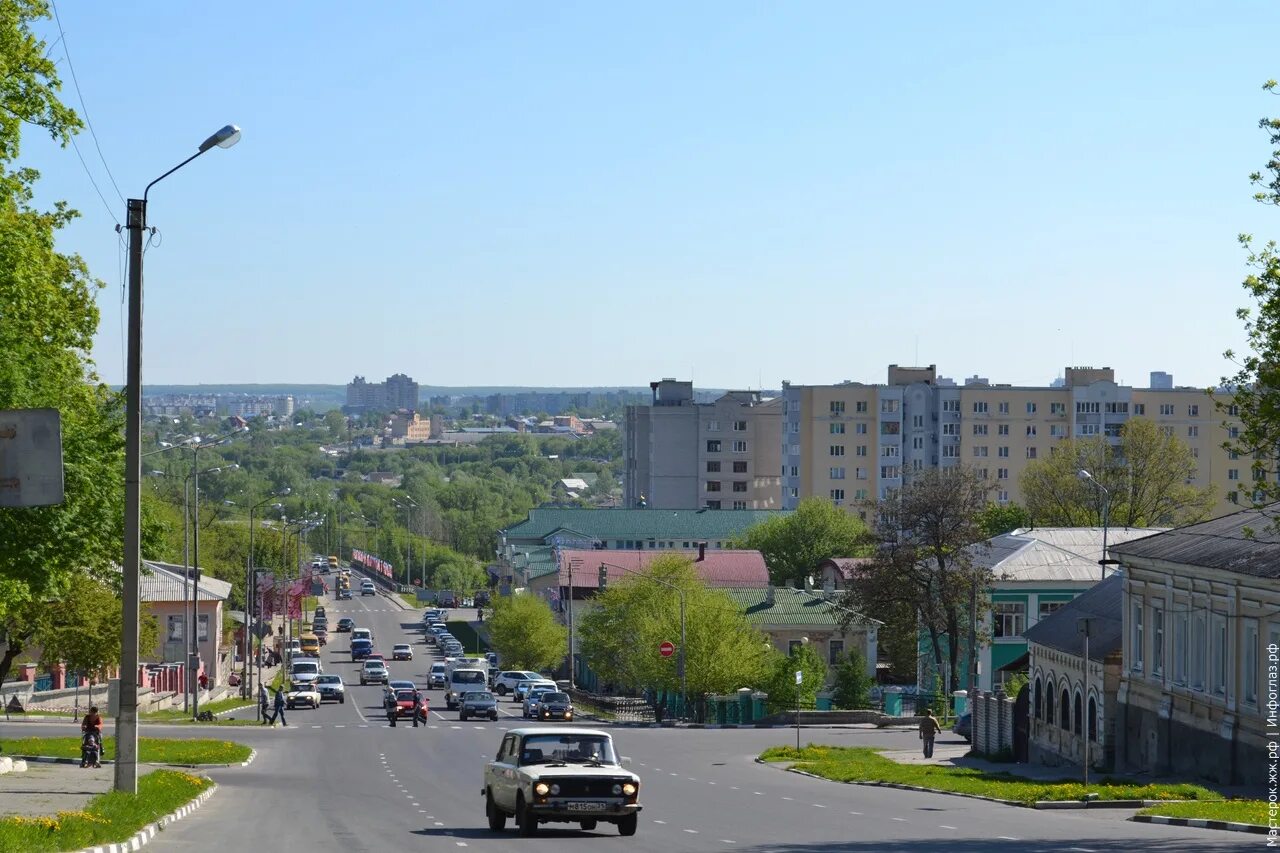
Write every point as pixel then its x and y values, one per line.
pixel 456 728
pixel 340 726
pixel 860 814
pixel 691 779
pixel 819 806
pixel 364 727
pixel 1082 850
pixel 461 843
pixel 439 823
pixel 944 826
pixel 691 831
pixel 660 821
pixel 315 727
pixel 711 783
pixel 433 727
pixel 758 793
pixel 1006 838
pixel 734 788
pixel 904 820
pixel 788 798
pixel 673 774
pixel 479 728
pixel 727 841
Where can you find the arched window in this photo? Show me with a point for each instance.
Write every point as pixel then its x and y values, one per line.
pixel 1078 714
pixel 1093 720
pixel 1048 704
pixel 1037 701
pixel 1064 710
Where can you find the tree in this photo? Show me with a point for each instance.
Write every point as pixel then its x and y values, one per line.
pixel 526 634
pixel 929 536
pixel 621 635
pixel 783 691
pixel 997 519
pixel 853 685
pixel 1147 481
pixel 47 321
pixel 793 545
pixel 1256 383
pixel 83 628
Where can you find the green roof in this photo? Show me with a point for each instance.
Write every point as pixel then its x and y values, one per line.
pixel 790 607
pixel 716 525
pixel 542 561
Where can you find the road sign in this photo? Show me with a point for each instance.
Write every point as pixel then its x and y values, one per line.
pixel 799 677
pixel 667 649
pixel 30 457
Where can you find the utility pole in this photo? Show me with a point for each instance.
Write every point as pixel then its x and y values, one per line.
pixel 570 606
pixel 1082 625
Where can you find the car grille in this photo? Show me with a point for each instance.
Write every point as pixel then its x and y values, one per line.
pixel 589 787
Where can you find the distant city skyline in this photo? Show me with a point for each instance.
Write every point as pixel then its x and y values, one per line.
pixel 734 194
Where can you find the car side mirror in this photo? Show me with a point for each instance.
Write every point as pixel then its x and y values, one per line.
pixel 626 761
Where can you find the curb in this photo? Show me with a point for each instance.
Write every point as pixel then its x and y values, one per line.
pixel 143 836
pixel 1199 823
pixel 47 759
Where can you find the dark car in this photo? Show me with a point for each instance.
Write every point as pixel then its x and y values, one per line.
pixel 555 706
pixel 963 726
pixel 361 649
pixel 478 704
pixel 346 623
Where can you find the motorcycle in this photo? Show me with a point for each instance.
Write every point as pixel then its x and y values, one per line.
pixel 90 750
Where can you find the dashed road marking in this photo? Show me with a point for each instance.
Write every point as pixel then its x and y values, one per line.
pixel 819 806
pixel 734 788
pixel 758 793
pixel 900 819
pixel 692 831
pixel 944 826
pixel 660 821
pixel 1006 838
pixel 788 798
pixel 857 813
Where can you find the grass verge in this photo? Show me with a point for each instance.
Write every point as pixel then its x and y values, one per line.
pixel 179 715
pixel 107 818
pixel 862 764
pixel 471 641
pixel 151 750
pixel 1236 811
pixel 410 598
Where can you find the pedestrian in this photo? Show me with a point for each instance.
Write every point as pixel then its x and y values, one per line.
pixel 417 707
pixel 264 703
pixel 929 729
pixel 279 708
pixel 392 708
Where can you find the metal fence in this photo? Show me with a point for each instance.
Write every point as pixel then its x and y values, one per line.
pixel 621 709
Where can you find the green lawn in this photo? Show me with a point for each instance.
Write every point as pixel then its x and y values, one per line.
pixel 178 715
pixel 468 637
pixel 862 764
pixel 110 817
pixel 410 598
pixel 1236 811
pixel 151 750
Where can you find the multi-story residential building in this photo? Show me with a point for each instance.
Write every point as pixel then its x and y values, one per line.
pixel 249 406
pixel 397 392
pixel 681 454
pixel 852 441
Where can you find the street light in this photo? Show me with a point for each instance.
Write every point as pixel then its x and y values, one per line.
pixel 126 769
pixel 408 526
pixel 1106 512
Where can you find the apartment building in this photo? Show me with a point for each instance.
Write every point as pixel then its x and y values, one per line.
pixel 854 441
pixel 681 454
pixel 397 392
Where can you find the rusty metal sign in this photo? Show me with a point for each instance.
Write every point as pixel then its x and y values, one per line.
pixel 30 457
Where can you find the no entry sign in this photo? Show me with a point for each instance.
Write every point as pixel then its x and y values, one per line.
pixel 667 649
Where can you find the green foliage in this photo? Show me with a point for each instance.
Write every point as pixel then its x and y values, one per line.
pixel 781 685
pixel 1255 812
pixel 83 627
pixel 996 519
pixel 1014 683
pixel 151 750
pixel 852 683
pixel 1147 480
pixel 526 634
pixel 793 545
pixel 620 635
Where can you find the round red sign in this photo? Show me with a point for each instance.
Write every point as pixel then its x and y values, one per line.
pixel 667 649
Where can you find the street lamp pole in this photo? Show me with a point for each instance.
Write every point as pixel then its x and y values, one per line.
pixel 1106 516
pixel 126 767
pixel 1083 625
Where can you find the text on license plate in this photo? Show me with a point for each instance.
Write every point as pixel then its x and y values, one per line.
pixel 585 807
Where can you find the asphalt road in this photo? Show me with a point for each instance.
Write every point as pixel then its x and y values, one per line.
pixel 339 779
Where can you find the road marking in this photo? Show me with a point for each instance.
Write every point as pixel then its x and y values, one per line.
pixel 315 727
pixel 340 726
pixel 788 798
pixel 711 783
pixel 727 841
pixel 860 814
pixel 1006 838
pixel 660 821
pixel 819 806
pixel 439 823
pixel 944 826
pixel 479 728
pixel 673 774
pixel 364 727
pixel 757 793
pixel 734 788
pixel 692 831
pixel 904 820
pixel 433 727
pixel 691 779
pixel 456 728
pixel 462 844
pixel 1082 850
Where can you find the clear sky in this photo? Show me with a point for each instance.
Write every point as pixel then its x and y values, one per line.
pixel 604 193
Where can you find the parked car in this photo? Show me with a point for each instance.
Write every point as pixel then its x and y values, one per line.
pixel 374 672
pixel 331 688
pixel 302 694
pixel 402 651
pixel 438 676
pixel 532 698
pixel 963 726
pixel 345 624
pixel 555 706
pixel 560 775
pixel 523 688
pixel 479 704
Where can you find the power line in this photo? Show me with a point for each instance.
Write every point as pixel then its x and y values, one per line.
pixel 66 47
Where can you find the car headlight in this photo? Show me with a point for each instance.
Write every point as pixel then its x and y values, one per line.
pixel 541 789
pixel 617 789
pixel 629 788
pixel 555 789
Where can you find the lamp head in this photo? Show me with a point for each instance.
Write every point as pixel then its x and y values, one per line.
pixel 1084 475
pixel 224 138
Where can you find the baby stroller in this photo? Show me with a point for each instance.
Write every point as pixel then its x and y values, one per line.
pixel 90 750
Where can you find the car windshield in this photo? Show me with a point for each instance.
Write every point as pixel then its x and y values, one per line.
pixel 404 695
pixel 479 697
pixel 567 748
pixel 401 647
pixel 305 668
pixel 373 664
pixel 329 679
pixel 555 697
pixel 466 676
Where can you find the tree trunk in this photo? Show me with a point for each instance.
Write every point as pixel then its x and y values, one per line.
pixel 11 651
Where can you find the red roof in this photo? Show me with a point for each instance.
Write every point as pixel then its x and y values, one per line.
pixel 719 567
pixel 845 565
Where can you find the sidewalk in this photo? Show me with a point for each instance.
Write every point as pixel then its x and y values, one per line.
pixel 46 789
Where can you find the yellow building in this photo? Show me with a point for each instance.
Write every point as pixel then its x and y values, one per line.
pixel 853 441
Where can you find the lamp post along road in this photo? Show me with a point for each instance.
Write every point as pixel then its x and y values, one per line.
pixel 1106 516
pixel 126 767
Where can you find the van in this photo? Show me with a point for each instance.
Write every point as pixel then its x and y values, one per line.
pixel 462 682
pixel 310 645
pixel 361 634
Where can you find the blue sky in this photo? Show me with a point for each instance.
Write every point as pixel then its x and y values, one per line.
pixel 606 193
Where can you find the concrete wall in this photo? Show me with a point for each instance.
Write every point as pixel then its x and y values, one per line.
pixel 992 721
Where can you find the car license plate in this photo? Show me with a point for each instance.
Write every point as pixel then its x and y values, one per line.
pixel 586 807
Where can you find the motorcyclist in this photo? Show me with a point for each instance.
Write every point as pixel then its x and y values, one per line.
pixel 92 725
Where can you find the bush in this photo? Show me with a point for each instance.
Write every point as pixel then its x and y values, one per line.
pixel 782 687
pixel 853 685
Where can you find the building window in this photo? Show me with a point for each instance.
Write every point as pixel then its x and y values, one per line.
pixel 1009 618
pixel 860 429
pixel 980 408
pixel 1087 429
pixel 793 427
pixel 1044 608
pixel 1135 634
pixel 860 450
pixel 713 426
pixel 1166 431
pixel 861 495
pixel 1002 452
pixel 1031 430
pixel 917 421
pixel 1179 648
pixel 1157 640
pixel 979 429
pixel 1064 710
pixel 837 407
pixel 739 485
pixel 739 504
pixel 1037 700
pixel 1139 408
pixel 836 473
pixel 713 446
pixel 713 485
pixel 888 406
pixel 1085 408
pixel 740 467
pixel 202 634
pixel 980 452
pixel 951 405
pixel 860 473
pixel 891 450
pixel 837 495
pixel 1193 432
pixel 983 473
pixel 1093 720
pixel 174 633
pixel 1003 408
pixel 1057 430
pixel 739 426
pixel 793 492
pixel 1002 497
pixel 1002 429
pixel 1250 686
pixel 713 504
pixel 1219 651
pixel 1193 411
pixel 1002 473
pixel 1166 408
pixel 1078 712
pixel 835 450
pixel 1048 703
pixel 793 646
pixel 837 428
pixel 739 447
pixel 1117 408
pixel 713 466
pixel 1198 640
pixel 795 470
pixel 1031 453
pixel 917 443
pixel 951 451
pixel 890 472
pixel 835 651
pixel 1057 408
pixel 951 429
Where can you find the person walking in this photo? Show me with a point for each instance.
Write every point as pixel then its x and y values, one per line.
pixel 417 707
pixel 929 729
pixel 392 708
pixel 279 708
pixel 264 703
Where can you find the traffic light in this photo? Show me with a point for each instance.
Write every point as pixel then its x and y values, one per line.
pixel 604 577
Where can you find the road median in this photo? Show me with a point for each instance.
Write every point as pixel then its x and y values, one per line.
pixel 174 751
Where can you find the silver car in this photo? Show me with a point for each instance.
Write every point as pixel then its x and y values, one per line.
pixel 374 672
pixel 478 704
pixel 533 697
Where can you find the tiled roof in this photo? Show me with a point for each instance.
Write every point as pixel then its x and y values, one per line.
pixel 1060 630
pixel 1051 553
pixel 845 565
pixel 721 568
pixel 1245 542
pixel 643 524
pixel 164 582
pixel 790 607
